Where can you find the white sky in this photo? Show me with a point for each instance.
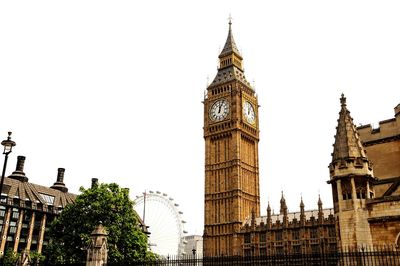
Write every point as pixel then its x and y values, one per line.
pixel 113 89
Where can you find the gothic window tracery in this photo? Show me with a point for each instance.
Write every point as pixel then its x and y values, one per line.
pixel 346 192
pixel 360 191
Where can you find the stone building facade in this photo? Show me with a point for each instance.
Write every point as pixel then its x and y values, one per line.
pixel 365 179
pixel 27 209
pixel 306 231
pixel 364 176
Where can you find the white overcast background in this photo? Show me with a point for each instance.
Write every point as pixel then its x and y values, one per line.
pixel 113 89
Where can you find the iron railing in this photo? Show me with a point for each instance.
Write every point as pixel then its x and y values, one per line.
pixel 386 256
pixel 359 257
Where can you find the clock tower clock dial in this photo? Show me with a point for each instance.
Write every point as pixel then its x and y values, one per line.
pixel 248 112
pixel 219 110
pixel 231 154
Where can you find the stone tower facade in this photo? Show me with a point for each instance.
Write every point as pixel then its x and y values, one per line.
pixel 351 177
pixel 231 154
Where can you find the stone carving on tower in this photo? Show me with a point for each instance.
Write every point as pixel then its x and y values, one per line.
pixel 231 137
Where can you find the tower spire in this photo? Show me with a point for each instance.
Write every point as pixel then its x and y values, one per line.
pixel 283 204
pixel 302 213
pixel 320 210
pixel 230 62
pixel 348 150
pixel 230 55
pixel 269 220
pixel 230 45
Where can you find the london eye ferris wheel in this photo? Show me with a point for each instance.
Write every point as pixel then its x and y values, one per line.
pixel 166 226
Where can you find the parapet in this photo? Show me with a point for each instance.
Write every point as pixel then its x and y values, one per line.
pixel 397 110
pixel 388 129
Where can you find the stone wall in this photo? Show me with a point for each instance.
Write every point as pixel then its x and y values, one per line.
pixel 384 220
pixel 383 147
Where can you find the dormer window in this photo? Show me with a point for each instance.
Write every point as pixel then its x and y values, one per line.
pixel 49 200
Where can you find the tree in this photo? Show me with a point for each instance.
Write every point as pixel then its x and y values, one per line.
pixel 107 204
pixel 9 258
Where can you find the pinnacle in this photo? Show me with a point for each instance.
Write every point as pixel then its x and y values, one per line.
pixel 283 201
pixel 283 205
pixel 347 143
pixel 230 45
pixel 301 203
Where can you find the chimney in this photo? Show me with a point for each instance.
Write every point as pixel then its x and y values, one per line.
pixel 95 182
pixel 59 184
pixel 19 171
pixel 60 175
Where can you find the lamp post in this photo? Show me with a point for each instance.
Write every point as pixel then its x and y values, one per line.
pixel 8 145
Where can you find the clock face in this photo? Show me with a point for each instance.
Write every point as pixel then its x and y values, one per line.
pixel 219 110
pixel 248 111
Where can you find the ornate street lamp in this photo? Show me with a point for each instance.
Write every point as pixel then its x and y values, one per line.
pixel 8 145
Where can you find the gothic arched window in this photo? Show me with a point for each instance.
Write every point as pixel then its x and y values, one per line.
pixel 360 193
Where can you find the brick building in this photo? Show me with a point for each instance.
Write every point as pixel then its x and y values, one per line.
pixel 27 209
pixel 364 176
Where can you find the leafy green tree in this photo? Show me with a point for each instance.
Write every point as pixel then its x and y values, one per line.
pixel 36 257
pixel 107 204
pixel 10 258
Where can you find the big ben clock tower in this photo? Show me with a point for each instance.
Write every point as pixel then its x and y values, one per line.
pixel 231 154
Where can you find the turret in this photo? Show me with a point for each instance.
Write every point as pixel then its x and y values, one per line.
pixel 351 177
pixel 302 213
pixel 97 251
pixel 269 219
pixel 320 210
pixel 284 211
pixel 349 156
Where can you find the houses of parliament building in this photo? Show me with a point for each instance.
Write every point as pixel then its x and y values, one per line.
pixel 364 177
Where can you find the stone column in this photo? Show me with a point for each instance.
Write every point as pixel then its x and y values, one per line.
pixel 31 225
pixel 367 192
pixel 353 193
pixel 41 233
pixel 19 227
pixel 6 224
